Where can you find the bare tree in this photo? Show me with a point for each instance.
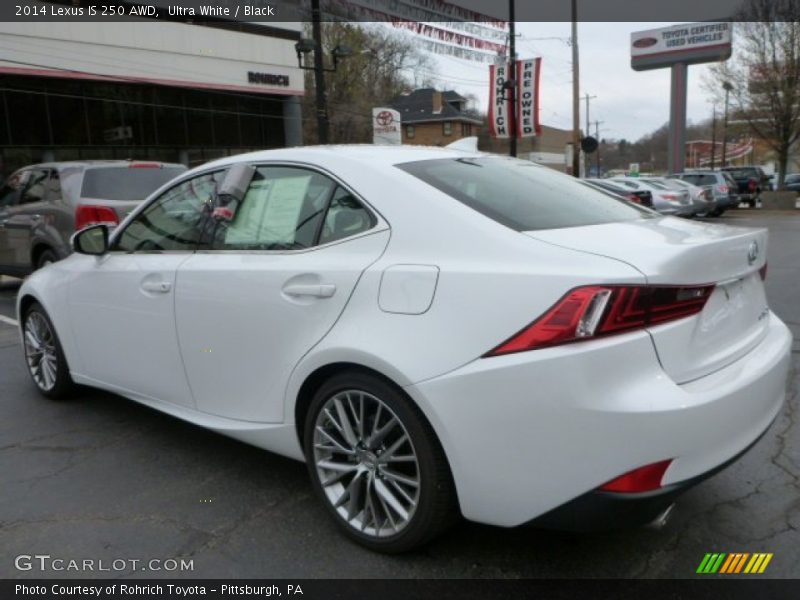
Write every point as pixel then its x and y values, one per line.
pixel 383 64
pixel 765 74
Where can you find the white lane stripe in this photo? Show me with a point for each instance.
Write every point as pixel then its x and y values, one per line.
pixel 8 321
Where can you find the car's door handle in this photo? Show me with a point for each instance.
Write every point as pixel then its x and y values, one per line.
pixel 319 290
pixel 157 287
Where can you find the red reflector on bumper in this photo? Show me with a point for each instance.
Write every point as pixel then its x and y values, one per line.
pixel 643 479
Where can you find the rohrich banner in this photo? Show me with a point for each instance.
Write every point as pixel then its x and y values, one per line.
pixel 525 117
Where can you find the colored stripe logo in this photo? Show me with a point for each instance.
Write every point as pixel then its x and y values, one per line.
pixel 734 563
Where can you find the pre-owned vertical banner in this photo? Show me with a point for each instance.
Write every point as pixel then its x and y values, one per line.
pixel 499 110
pixel 527 97
pixel 525 119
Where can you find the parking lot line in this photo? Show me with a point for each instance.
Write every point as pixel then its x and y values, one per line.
pixel 9 321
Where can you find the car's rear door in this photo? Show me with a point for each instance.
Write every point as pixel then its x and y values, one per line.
pixel 269 286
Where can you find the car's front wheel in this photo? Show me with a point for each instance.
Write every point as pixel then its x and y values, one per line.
pixel 376 464
pixel 44 355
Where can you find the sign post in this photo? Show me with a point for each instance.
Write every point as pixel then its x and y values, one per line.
pixel 678 47
pixel 386 130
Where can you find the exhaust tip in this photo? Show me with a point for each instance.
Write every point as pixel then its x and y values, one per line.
pixel 661 520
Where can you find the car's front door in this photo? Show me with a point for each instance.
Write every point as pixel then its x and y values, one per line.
pixel 122 304
pixel 270 285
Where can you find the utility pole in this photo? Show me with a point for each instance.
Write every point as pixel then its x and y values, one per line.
pixel 728 87
pixel 576 133
pixel 587 97
pixel 513 79
pixel 713 135
pixel 597 137
pixel 319 74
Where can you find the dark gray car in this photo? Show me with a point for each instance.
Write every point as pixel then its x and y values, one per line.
pixel 42 205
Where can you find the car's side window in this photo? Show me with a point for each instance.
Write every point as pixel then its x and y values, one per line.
pixel 345 217
pixel 283 209
pixel 11 191
pixel 53 193
pixel 36 187
pixel 175 221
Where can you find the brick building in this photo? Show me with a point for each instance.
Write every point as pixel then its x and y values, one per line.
pixel 433 118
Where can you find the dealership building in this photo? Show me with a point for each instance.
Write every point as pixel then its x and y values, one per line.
pixel 169 91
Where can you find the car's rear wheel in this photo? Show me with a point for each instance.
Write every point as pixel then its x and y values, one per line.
pixel 376 464
pixel 44 355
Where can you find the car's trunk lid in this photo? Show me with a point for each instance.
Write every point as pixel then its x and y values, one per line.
pixel 670 251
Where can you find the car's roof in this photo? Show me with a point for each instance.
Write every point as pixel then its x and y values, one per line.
pixel 363 153
pixel 100 163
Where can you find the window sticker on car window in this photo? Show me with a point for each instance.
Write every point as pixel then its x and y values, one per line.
pixel 270 212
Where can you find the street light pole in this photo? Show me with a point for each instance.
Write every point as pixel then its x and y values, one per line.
pixel 728 87
pixel 512 92
pixel 319 74
pixel 713 135
pixel 576 133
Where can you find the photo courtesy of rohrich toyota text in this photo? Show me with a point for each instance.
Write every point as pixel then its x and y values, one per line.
pixel 399 299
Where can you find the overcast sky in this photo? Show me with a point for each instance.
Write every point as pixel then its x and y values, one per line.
pixel 630 103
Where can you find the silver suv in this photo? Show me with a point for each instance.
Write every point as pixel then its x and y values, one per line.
pixel 42 205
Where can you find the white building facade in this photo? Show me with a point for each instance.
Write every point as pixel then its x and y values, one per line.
pixel 171 91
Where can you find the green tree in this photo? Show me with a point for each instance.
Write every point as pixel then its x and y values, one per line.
pixel 765 74
pixel 384 63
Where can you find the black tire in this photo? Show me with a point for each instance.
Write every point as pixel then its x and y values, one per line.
pixel 436 508
pixel 45 258
pixel 60 385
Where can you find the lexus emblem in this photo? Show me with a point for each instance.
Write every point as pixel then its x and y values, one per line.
pixel 752 253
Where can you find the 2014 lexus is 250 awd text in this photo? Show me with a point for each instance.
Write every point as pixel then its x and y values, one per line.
pixel 436 333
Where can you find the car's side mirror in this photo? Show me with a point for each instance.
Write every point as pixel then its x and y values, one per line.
pixel 92 240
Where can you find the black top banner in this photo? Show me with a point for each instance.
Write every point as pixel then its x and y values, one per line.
pixel 492 13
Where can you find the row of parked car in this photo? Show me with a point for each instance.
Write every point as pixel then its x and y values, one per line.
pixel 689 194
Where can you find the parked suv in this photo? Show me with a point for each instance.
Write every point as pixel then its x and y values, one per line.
pixel 750 181
pixel 721 184
pixel 42 205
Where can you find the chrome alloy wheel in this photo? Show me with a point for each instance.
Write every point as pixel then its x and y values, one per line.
pixel 366 463
pixel 40 351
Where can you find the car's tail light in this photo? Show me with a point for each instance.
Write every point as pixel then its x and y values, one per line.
pixel 633 198
pixel 671 197
pixel 751 185
pixel 593 311
pixel 144 165
pixel 763 272
pixel 88 214
pixel 643 479
pixel 723 189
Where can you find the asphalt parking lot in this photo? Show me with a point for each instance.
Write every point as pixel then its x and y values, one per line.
pixel 101 477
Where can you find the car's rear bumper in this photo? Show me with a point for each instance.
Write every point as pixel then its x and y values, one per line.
pixel 599 510
pixel 526 433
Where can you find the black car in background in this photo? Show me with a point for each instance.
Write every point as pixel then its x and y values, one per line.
pixel 750 180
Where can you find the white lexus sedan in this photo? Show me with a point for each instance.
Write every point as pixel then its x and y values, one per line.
pixel 435 333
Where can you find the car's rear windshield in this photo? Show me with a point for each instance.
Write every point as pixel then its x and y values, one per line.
pixel 700 178
pixel 125 183
pixel 742 173
pixel 522 195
